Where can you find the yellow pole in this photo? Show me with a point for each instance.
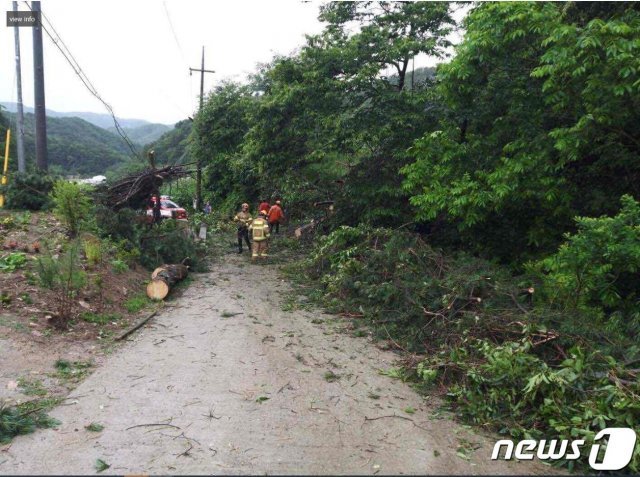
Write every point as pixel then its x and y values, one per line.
pixel 6 166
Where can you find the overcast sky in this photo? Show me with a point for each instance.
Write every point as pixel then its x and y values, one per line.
pixel 129 51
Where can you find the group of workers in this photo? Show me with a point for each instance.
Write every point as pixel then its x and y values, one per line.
pixel 267 222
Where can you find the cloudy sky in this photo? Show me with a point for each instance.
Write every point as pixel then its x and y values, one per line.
pixel 138 53
pixel 130 53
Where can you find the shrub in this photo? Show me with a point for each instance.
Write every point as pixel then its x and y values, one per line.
pixel 63 275
pixel 118 266
pixel 595 272
pixel 170 242
pixel 409 291
pixel 72 205
pixel 28 191
pixel 92 249
pixel 12 261
pixel 122 224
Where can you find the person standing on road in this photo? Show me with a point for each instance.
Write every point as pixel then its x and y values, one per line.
pixel 275 216
pixel 260 234
pixel 242 220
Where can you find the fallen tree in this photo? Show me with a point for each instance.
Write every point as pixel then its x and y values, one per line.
pixel 164 278
pixel 135 190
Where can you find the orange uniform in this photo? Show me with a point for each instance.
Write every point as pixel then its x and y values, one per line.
pixel 275 214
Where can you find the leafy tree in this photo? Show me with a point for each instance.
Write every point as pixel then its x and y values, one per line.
pixel 508 170
pixel 218 134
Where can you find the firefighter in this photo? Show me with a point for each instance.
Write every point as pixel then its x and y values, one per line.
pixel 264 205
pixel 260 234
pixel 242 220
pixel 275 216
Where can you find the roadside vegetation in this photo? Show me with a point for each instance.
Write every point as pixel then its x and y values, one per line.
pixel 72 270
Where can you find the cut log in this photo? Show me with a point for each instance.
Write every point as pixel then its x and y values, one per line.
pixel 163 279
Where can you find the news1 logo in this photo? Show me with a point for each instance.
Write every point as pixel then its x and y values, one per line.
pixel 621 442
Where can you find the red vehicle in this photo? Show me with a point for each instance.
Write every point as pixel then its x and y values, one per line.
pixel 168 209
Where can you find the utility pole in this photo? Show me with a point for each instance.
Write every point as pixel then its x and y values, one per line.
pixel 40 111
pixel 199 163
pixel 20 140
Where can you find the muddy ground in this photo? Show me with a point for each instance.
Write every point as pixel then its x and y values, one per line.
pixel 225 381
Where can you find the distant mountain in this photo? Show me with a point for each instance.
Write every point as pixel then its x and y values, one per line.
pixel 75 146
pixel 144 134
pixel 98 119
pixel 171 147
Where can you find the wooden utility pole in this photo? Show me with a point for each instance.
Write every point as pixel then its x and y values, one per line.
pixel 22 167
pixel 199 163
pixel 38 77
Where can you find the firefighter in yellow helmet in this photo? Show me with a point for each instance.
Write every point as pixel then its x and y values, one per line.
pixel 242 220
pixel 259 229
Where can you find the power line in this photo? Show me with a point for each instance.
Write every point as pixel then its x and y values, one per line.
pixel 85 80
pixel 175 36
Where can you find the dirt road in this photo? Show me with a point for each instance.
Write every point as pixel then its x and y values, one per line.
pixel 224 381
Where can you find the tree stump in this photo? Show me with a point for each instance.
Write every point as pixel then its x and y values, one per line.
pixel 163 279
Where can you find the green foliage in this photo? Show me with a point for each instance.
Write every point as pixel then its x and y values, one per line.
pixel 19 420
pixel 596 269
pixel 123 224
pixel 118 266
pixel 28 191
pixel 328 122
pixel 94 427
pixel 72 370
pixel 172 146
pixel 511 388
pixel 92 250
pixel 74 146
pixel 72 205
pixel 136 303
pixel 408 291
pixel 12 261
pixel 535 127
pixel 170 242
pixel 101 465
pixel 32 387
pixel 100 318
pixel 63 274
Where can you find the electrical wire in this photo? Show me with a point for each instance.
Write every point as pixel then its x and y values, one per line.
pixel 175 36
pixel 85 80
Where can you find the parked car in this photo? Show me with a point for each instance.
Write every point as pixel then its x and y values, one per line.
pixel 169 209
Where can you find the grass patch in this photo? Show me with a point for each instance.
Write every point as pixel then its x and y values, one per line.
pixel 72 370
pixel 136 303
pixel 32 387
pixel 100 318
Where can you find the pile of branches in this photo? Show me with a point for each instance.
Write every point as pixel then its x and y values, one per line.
pixel 135 190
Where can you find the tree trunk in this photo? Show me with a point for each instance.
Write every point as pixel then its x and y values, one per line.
pixel 163 278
